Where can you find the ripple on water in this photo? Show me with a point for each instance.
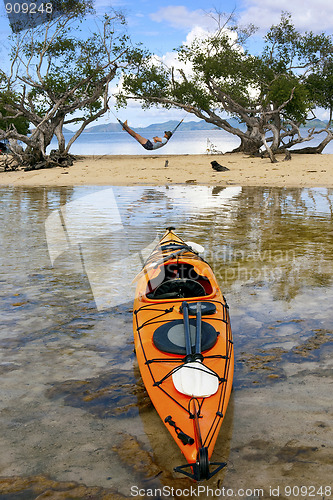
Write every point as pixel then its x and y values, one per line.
pixel 67 359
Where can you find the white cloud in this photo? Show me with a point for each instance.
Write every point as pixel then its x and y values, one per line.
pixel 306 15
pixel 196 33
pixel 180 17
pixel 322 114
pixel 170 58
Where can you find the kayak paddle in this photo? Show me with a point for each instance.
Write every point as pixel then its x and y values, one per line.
pixel 193 378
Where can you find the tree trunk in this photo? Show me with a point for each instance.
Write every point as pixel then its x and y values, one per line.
pixel 246 146
pixel 60 137
pixel 32 156
pixel 268 149
pixel 250 144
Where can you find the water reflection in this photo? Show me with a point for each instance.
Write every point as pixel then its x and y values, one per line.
pixel 64 343
pixel 271 250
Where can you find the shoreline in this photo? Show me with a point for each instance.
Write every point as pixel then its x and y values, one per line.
pixel 130 170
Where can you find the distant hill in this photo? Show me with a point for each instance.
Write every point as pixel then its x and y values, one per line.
pixel 169 125
pixel 154 127
pixel 316 123
pixel 185 126
pixel 104 128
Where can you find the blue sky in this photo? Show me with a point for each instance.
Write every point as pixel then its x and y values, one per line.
pixel 163 26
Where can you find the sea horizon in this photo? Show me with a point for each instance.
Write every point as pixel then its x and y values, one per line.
pixel 182 142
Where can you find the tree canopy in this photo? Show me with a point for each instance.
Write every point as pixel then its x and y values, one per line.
pixel 216 77
pixel 8 121
pixel 60 74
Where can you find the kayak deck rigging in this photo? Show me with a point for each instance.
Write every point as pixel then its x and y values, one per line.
pixel 160 383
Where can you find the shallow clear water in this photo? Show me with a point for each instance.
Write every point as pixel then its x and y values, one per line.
pixel 71 399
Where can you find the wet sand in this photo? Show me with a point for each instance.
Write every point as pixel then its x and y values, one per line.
pixel 83 457
pixel 300 171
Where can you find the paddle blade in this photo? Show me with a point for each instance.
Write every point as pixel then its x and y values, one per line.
pixel 196 247
pixel 196 380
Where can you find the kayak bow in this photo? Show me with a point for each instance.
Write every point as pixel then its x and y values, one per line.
pixel 184 348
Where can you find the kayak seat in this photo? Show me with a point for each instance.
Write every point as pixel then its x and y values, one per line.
pixel 206 284
pixel 177 288
pixel 170 336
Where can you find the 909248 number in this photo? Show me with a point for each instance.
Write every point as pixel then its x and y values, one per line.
pixel 308 491
pixel 29 8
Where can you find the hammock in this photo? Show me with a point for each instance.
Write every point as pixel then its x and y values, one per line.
pixel 172 131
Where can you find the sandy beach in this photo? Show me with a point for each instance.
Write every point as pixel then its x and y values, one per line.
pixel 300 171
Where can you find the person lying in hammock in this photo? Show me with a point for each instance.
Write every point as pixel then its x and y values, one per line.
pixel 157 142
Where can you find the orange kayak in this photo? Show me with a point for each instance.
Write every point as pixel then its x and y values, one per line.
pixel 184 348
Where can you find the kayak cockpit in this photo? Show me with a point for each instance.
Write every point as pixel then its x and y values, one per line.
pixel 177 288
pixel 177 280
